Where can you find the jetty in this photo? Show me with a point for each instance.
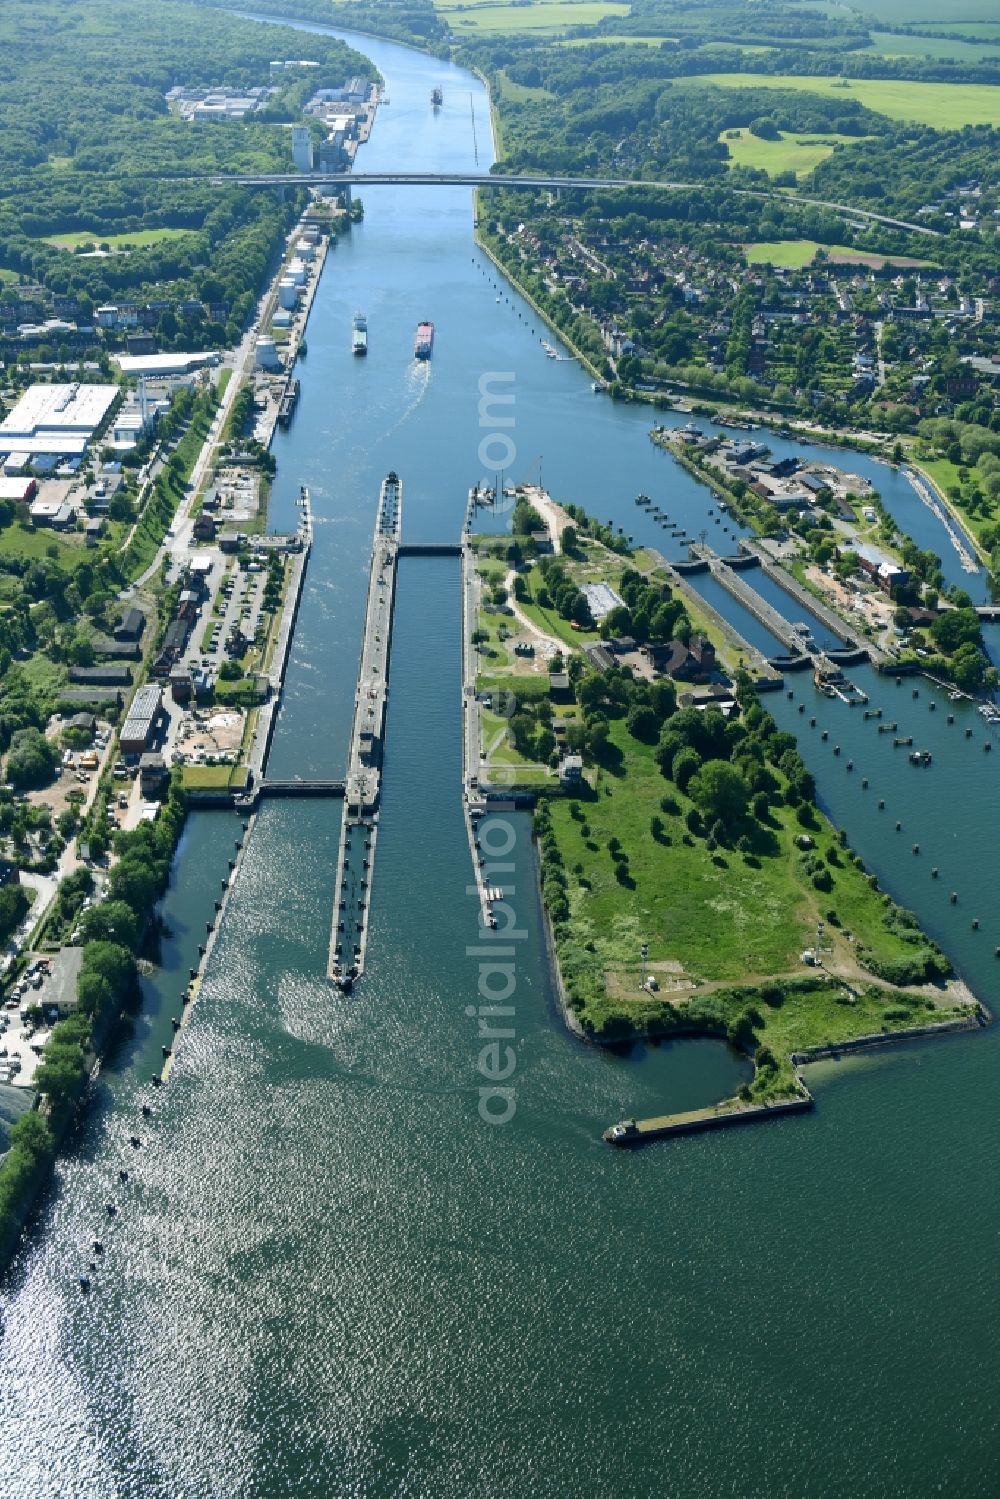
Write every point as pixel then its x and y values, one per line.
pixel 362 785
pixel 630 1132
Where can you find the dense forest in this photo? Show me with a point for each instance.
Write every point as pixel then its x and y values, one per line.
pixel 89 146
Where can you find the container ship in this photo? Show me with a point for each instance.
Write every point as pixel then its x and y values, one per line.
pixel 437 98
pixel 359 340
pixel 424 341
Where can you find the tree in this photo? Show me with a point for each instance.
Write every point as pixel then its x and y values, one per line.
pixel 133 883
pixel 112 920
pixel 111 962
pixel 685 767
pixel 14 904
pixel 720 791
pixel 32 759
pixel 643 724
pixel 955 627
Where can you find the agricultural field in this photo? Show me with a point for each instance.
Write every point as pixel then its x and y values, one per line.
pixel 894 44
pixel 800 154
pixel 976 31
pixel 944 106
pixel 545 17
pixel 615 41
pixel 840 255
pixel 915 12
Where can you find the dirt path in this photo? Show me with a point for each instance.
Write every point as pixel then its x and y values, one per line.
pixel 553 515
pixel 526 623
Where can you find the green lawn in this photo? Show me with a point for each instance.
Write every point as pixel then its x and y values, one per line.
pixel 800 252
pixel 800 154
pixel 16 542
pixel 721 918
pixel 715 919
pixel 207 777
pixel 129 241
pixel 545 17
pixel 945 106
pixel 794 253
pixel 945 475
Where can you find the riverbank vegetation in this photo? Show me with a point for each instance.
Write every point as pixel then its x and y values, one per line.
pixel 113 934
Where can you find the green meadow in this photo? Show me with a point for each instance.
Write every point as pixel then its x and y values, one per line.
pixel 548 16
pixel 130 241
pixel 944 106
pixel 800 154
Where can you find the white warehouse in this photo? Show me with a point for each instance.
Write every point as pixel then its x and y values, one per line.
pixel 58 419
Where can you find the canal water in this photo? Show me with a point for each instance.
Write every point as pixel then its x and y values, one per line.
pixel 326 1273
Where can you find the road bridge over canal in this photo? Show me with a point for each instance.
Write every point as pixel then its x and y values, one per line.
pixel 348 182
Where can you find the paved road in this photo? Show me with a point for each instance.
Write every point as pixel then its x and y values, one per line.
pixel 351 180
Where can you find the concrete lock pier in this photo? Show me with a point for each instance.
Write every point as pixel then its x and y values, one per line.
pixel 356 857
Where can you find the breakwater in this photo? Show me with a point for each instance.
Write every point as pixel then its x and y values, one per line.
pixel 630 1132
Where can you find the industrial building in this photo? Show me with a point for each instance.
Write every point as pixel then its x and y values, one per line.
pixel 302 148
pixel 136 418
pixel 163 366
pixel 55 420
pixel 142 720
pixel 58 991
pixel 22 491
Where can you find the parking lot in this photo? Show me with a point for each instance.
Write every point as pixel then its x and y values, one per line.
pixel 240 593
pixel 21 1041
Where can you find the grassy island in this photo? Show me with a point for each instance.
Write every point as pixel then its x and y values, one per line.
pixel 691 882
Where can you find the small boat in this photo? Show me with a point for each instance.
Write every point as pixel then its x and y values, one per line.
pixel 437 97
pixel 359 335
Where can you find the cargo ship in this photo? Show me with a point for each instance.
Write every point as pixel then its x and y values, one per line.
pixel 437 98
pixel 424 341
pixel 359 341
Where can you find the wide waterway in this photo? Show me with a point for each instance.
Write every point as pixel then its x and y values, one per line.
pixel 327 1275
